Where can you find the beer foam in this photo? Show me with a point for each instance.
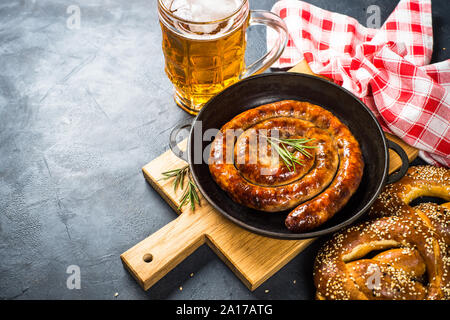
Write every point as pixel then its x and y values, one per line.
pixel 203 10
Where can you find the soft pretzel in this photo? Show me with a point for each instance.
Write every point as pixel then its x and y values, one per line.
pixel 317 189
pixel 419 181
pixel 401 254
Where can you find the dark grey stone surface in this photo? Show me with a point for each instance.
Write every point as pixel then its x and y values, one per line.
pixel 81 111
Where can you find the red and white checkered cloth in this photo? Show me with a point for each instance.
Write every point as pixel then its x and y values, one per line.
pixel 387 68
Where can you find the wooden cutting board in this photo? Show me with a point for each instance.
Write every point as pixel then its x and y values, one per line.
pixel 253 258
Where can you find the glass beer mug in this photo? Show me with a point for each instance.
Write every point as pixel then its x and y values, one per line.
pixel 204 45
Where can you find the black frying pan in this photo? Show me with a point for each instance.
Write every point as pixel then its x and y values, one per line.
pixel 267 88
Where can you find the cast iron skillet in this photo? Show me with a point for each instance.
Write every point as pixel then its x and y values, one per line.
pixel 267 88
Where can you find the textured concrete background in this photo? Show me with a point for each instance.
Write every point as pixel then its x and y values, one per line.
pixel 81 111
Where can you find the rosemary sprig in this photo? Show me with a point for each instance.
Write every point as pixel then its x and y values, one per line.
pixel 289 159
pixel 190 194
pixel 178 174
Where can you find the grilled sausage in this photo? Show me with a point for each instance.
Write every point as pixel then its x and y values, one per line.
pixel 317 188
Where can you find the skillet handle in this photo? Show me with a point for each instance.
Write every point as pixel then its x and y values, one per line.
pixel 394 177
pixel 173 139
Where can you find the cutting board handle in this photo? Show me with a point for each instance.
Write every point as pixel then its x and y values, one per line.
pixel 155 256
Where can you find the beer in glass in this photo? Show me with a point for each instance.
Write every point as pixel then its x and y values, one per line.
pixel 204 45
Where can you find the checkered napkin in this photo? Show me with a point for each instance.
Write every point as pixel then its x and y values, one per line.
pixel 387 68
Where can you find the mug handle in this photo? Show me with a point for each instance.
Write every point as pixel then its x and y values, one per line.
pixel 173 139
pixel 271 20
pixel 405 162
